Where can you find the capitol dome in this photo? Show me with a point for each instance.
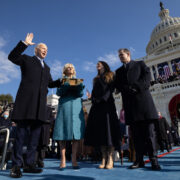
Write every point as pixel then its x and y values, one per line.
pixel 165 35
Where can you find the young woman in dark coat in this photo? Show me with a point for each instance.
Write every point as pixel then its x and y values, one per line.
pixel 103 126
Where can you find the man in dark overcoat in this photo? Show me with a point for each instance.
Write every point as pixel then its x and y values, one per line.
pixel 163 130
pixel 133 81
pixel 30 105
pixel 44 137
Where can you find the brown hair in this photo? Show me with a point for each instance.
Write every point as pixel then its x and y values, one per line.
pixel 124 50
pixel 108 74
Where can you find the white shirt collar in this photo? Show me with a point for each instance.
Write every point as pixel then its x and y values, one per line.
pixel 41 60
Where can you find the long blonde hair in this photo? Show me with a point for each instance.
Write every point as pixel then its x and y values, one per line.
pixel 65 67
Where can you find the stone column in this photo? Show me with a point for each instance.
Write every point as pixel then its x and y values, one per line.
pixel 156 69
pixel 170 67
pixel 152 74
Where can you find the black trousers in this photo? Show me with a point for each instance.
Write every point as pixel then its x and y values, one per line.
pixel 29 131
pixel 144 137
pixel 43 141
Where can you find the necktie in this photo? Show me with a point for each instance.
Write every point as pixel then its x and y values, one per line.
pixel 42 62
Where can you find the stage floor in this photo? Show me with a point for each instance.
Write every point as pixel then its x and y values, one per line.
pixel 170 164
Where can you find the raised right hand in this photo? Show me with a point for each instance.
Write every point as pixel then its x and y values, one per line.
pixel 29 39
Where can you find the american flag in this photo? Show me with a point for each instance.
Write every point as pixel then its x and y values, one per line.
pixel 178 64
pixel 167 72
pixel 175 67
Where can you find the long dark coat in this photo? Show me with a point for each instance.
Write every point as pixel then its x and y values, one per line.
pixel 102 124
pixel 133 82
pixel 31 97
pixel 162 128
pixel 45 128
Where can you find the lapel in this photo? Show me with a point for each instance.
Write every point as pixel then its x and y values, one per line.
pixel 130 67
pixel 44 69
pixel 37 61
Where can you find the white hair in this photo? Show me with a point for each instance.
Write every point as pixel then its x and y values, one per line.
pixel 37 47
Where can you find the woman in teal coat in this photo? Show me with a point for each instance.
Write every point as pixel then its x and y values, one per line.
pixel 70 123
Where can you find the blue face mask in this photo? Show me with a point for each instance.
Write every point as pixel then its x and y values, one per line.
pixel 6 116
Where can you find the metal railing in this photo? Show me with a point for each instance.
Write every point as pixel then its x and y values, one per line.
pixel 2 163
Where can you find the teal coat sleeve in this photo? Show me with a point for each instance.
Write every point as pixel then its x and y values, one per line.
pixel 66 89
pixel 63 90
pixel 79 90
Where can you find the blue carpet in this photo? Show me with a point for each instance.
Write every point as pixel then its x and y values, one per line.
pixel 170 165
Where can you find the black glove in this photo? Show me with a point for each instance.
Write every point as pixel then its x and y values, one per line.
pixel 96 100
pixel 133 90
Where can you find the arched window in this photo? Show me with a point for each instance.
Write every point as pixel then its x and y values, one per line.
pixel 175 35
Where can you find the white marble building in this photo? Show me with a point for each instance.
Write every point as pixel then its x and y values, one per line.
pixel 162 50
pixel 52 100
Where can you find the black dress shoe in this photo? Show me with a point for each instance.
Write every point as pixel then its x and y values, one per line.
pixel 15 172
pixel 137 165
pixel 40 164
pixel 156 167
pixel 76 167
pixel 31 169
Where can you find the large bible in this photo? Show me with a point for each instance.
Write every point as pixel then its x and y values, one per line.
pixel 72 81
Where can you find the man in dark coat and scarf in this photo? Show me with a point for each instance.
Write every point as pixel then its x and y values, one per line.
pixel 133 81
pixel 163 130
pixel 29 111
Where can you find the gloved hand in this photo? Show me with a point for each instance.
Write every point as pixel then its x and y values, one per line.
pixel 133 90
pixel 96 100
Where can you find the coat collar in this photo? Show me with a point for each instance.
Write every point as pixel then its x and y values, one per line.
pixel 38 61
pixel 130 64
